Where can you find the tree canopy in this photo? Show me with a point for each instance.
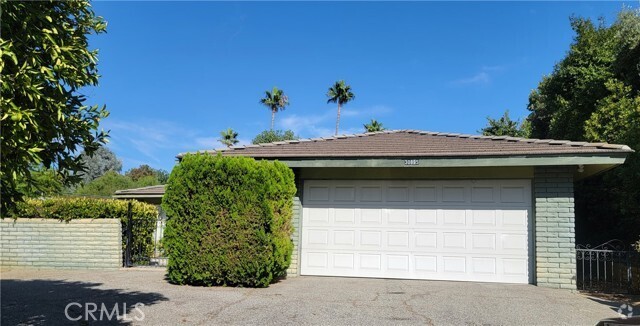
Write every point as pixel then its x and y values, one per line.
pixel 270 136
pixel 373 126
pixel 46 60
pixel 228 137
pixel 98 163
pixel 504 126
pixel 106 185
pixel 146 171
pixel 275 100
pixel 341 94
pixel 593 94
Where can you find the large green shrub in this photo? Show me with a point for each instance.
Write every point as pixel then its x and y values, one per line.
pixel 69 208
pixel 229 221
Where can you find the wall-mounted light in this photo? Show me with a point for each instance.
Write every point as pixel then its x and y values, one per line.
pixel 580 168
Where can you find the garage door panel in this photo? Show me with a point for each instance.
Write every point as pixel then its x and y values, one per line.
pixel 460 230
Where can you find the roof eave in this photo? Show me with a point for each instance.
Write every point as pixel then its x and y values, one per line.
pixel 611 158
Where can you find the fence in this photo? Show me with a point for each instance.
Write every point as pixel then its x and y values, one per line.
pixel 139 255
pixel 610 267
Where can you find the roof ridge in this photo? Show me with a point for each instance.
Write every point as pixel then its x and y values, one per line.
pixel 553 142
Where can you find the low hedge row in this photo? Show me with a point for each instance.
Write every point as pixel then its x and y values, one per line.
pixel 69 208
pixel 229 221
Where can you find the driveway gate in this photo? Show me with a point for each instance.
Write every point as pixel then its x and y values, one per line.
pixel 610 267
pixel 139 255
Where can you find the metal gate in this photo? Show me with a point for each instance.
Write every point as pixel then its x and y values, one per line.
pixel 139 254
pixel 610 267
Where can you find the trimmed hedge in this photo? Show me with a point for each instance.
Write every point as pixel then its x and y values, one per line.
pixel 70 208
pixel 229 221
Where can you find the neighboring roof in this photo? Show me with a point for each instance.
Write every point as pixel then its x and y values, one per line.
pixel 415 143
pixel 144 192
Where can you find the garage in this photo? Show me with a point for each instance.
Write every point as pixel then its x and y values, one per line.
pixel 463 230
pixel 414 204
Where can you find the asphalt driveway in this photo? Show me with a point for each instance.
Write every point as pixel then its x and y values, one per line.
pixel 40 297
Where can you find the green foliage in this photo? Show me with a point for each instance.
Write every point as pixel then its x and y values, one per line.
pixel 106 185
pixel 373 126
pixel 145 171
pixel 43 183
pixel 229 221
pixel 228 137
pixel 340 93
pixel 270 136
pixel 69 208
pixel 593 94
pixel 275 100
pixel 506 127
pixel 98 163
pixel 46 60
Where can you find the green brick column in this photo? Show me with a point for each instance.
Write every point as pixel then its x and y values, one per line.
pixel 554 227
pixel 295 256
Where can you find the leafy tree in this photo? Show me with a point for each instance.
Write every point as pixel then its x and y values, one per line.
pixel 46 60
pixel 43 183
pixel 276 101
pixel 373 126
pixel 270 136
pixel 162 176
pixel 106 185
pixel 139 172
pixel 593 95
pixel 98 163
pixel 504 126
pixel 228 137
pixel 146 171
pixel 340 93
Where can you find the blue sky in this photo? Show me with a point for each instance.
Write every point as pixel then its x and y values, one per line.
pixel 174 74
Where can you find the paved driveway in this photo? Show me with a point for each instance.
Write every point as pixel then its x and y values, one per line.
pixel 40 297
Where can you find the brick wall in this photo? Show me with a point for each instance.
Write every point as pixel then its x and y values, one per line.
pixel 47 243
pixel 554 227
pixel 295 257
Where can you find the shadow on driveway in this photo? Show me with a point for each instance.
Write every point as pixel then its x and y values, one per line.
pixel 43 302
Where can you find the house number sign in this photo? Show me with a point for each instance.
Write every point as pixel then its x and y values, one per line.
pixel 411 162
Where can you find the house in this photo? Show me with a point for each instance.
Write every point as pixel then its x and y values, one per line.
pixel 425 205
pixel 150 194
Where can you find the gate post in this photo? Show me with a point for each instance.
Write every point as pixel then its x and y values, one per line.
pixel 127 252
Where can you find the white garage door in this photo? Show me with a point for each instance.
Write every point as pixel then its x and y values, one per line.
pixel 443 230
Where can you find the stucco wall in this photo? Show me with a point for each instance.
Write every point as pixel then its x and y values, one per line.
pixel 554 227
pixel 47 243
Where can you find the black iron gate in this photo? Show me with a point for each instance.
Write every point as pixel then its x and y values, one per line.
pixel 610 267
pixel 138 253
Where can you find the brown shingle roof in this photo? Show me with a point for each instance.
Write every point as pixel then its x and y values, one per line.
pixel 415 143
pixel 150 190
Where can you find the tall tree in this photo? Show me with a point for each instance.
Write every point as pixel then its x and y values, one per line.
pixel 339 93
pixel 98 163
pixel 504 126
pixel 373 126
pixel 270 136
pixel 593 94
pixel 43 183
pixel 276 100
pixel 45 61
pixel 228 137
pixel 144 171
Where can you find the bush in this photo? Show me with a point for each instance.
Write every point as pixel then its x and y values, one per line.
pixel 70 208
pixel 229 221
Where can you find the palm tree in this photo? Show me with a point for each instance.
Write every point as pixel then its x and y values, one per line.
pixel 228 137
pixel 276 101
pixel 373 126
pixel 339 93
